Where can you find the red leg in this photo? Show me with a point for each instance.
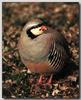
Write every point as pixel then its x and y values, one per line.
pixel 39 83
pixel 40 79
pixel 50 79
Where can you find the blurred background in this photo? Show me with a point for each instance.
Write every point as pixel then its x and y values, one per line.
pixel 17 83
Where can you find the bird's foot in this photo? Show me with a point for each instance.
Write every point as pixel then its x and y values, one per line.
pixel 49 82
pixel 40 80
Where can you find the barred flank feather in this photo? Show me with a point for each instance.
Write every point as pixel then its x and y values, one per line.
pixel 56 58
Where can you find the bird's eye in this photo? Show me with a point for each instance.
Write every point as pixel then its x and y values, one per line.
pixel 40 29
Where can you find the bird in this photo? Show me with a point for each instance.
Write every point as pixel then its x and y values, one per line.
pixel 42 48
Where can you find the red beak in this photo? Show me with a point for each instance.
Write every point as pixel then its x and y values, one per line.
pixel 43 27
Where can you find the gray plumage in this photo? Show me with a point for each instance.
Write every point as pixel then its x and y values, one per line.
pixel 50 47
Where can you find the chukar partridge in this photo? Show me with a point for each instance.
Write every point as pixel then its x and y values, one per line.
pixel 42 49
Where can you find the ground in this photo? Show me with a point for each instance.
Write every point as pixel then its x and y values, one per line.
pixel 16 82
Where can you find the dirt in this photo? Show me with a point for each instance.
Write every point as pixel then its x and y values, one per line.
pixel 16 82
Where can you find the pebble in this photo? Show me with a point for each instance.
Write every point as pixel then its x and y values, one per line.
pixel 56 85
pixel 77 86
pixel 13 36
pixel 13 96
pixel 13 44
pixel 65 97
pixel 16 54
pixel 55 92
pixel 10 56
pixel 8 81
pixel 47 94
pixel 5 49
pixel 72 78
pixel 43 96
pixel 63 88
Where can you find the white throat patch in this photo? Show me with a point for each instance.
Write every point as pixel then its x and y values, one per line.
pixel 37 31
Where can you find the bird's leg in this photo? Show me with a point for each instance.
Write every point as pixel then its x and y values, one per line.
pixel 39 82
pixel 50 79
pixel 40 79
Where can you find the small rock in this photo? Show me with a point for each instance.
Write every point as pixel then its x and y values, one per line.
pixel 47 94
pixel 10 56
pixel 56 85
pixel 55 92
pixel 63 88
pixel 13 96
pixel 8 81
pixel 66 97
pixel 16 54
pixel 43 96
pixel 5 49
pixel 57 10
pixel 77 86
pixel 13 36
pixel 13 44
pixel 72 78
pixel 20 94
pixel 29 72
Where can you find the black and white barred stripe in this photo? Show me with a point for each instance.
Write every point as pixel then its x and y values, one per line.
pixel 56 58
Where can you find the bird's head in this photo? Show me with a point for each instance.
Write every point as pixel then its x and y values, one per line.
pixel 35 28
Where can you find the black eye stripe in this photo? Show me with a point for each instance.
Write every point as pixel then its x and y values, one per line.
pixel 29 33
pixel 32 36
pixel 37 26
